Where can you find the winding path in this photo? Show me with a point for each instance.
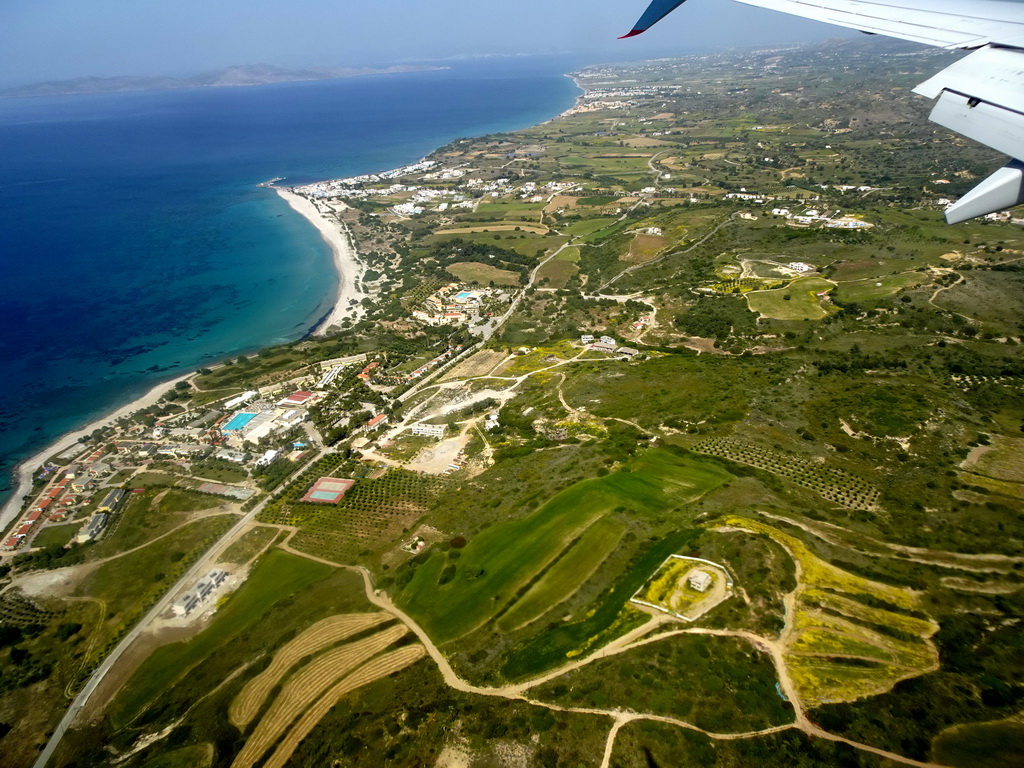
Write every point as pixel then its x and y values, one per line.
pixel 629 641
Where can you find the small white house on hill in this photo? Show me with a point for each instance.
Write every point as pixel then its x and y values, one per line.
pixel 700 581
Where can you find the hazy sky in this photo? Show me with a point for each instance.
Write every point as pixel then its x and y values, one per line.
pixel 57 39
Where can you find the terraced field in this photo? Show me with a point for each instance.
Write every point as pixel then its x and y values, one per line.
pixel 848 637
pixel 382 666
pixel 305 687
pixel 321 635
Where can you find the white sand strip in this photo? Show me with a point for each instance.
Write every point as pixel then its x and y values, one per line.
pixel 350 271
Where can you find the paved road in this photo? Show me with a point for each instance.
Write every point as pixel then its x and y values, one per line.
pixel 201 565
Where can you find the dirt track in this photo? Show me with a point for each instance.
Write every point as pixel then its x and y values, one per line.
pixel 633 639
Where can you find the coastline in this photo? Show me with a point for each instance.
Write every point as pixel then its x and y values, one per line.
pixel 346 263
pixel 349 271
pixel 26 468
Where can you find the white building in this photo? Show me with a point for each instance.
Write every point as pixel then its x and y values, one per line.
pixel 429 430
pixel 700 581
pixel 200 593
pixel 245 397
pixel 267 458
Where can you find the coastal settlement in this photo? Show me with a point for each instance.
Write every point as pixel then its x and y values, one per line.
pixel 684 380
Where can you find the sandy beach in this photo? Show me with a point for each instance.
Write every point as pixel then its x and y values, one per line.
pixel 349 271
pixel 347 302
pixel 23 474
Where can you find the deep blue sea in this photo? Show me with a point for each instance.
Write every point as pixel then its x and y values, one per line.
pixel 135 245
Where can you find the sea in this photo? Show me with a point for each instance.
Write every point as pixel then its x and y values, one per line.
pixel 135 244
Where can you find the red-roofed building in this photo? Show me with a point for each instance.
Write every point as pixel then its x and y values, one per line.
pixel 23 531
pixel 366 373
pixel 376 421
pixel 33 516
pixel 12 543
pixel 296 398
pixel 42 505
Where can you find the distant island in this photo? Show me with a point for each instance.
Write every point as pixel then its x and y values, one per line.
pixel 251 74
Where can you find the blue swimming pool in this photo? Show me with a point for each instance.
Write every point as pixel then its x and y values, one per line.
pixel 238 422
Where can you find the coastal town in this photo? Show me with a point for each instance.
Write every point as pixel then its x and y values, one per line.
pixel 679 413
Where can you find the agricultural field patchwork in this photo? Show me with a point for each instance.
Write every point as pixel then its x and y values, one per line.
pixel 372 512
pixel 319 683
pixel 843 438
pixel 504 567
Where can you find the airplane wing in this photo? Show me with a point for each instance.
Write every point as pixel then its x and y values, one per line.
pixel 980 96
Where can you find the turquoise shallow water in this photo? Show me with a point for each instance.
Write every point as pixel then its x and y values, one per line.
pixel 136 246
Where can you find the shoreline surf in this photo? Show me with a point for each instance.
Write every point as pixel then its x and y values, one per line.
pixel 347 304
pixel 347 266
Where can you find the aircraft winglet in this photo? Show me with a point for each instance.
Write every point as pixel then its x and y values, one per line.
pixel 655 12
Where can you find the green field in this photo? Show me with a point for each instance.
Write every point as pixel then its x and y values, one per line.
pixel 472 272
pixel 196 756
pixel 58 535
pixel 220 474
pixel 524 242
pixel 502 560
pixel 249 545
pixel 671 386
pixel 802 302
pixel 717 683
pixel 993 298
pixel 565 576
pixel 588 226
pixel 273 582
pixel 144 516
pixel 1004 460
pixel 981 745
pixel 874 289
pixel 557 273
pixel 128 581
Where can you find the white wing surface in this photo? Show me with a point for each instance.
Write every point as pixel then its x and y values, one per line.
pixel 981 96
pixel 945 23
